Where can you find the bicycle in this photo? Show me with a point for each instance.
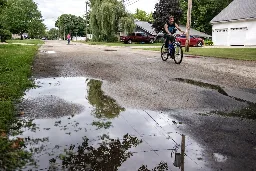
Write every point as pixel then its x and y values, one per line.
pixel 173 51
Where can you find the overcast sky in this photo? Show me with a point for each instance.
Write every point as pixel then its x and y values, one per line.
pixel 51 9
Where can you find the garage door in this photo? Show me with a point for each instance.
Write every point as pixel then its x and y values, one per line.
pixel 221 36
pixel 237 36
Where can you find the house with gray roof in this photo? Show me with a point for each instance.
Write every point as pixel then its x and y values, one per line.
pixel 143 26
pixel 236 24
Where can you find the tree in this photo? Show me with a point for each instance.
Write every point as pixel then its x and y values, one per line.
pixel 22 15
pixel 203 12
pixel 143 16
pixel 162 10
pixel 72 24
pixel 126 24
pixel 108 17
pixel 37 29
pixel 52 34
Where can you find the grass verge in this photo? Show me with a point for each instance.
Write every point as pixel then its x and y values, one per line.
pixel 27 41
pixel 15 71
pixel 230 53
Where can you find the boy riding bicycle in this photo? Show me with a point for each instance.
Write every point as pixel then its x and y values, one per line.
pixel 170 28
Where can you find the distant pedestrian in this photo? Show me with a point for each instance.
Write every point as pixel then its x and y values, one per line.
pixel 68 37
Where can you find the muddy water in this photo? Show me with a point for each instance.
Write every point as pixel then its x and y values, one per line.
pixel 80 128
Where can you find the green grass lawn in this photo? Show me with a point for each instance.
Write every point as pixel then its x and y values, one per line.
pixel 15 71
pixel 121 44
pixel 27 41
pixel 232 53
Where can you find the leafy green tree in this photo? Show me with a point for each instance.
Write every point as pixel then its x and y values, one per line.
pixel 143 16
pixel 37 30
pixel 126 24
pixel 52 34
pixel 162 10
pixel 20 16
pixel 108 17
pixel 72 24
pixel 203 11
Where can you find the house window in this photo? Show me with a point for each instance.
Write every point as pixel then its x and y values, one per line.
pixel 221 30
pixel 240 28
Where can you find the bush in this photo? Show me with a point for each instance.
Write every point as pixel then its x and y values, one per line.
pixel 208 43
pixel 5 34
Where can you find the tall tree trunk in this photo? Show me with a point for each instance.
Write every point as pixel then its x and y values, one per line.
pixel 21 37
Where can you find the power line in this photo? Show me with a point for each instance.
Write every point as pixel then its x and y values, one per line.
pixel 129 3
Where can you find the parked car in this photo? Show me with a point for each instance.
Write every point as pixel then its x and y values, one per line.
pixel 137 37
pixel 194 41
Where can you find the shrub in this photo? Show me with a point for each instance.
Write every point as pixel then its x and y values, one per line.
pixel 208 43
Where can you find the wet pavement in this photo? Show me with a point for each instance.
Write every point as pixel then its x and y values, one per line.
pixel 94 132
pixel 135 118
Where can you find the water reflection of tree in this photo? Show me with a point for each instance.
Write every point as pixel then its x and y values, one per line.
pixel 161 167
pixel 107 157
pixel 105 106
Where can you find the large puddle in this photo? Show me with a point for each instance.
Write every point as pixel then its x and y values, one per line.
pixel 80 128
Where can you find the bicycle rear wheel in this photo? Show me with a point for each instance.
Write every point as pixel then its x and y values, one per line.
pixel 178 56
pixel 164 53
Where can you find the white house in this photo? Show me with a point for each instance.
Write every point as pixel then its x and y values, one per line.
pixel 236 24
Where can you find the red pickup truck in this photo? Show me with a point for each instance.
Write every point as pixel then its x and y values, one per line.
pixel 137 37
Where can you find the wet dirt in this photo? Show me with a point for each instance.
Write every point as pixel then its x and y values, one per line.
pixel 138 79
pixel 94 132
pixel 246 112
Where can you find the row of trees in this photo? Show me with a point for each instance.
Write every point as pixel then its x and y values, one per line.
pixel 74 25
pixel 203 12
pixel 108 17
pixel 21 16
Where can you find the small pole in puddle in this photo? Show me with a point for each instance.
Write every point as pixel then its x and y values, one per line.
pixel 182 152
pixel 180 157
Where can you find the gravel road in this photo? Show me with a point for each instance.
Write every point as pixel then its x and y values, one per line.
pixel 139 79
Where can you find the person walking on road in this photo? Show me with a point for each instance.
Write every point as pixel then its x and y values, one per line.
pixel 68 37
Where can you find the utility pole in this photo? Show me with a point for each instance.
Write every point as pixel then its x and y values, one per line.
pixel 86 20
pixel 188 25
pixel 64 33
pixel 182 152
pixel 59 29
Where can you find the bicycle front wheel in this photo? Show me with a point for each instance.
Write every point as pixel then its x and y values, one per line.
pixel 164 53
pixel 178 56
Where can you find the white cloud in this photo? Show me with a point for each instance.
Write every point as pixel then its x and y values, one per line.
pixel 52 9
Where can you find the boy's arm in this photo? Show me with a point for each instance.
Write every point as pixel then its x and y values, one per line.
pixel 177 26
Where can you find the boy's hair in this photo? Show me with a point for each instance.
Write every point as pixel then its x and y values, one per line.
pixel 168 17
